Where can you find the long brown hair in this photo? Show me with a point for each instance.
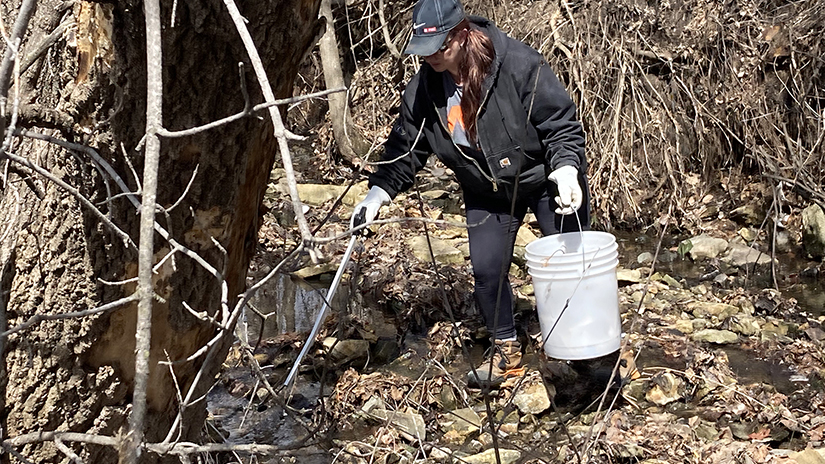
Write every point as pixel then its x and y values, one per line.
pixel 473 68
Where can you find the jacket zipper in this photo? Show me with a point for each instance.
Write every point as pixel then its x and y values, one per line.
pixel 478 113
pixel 478 166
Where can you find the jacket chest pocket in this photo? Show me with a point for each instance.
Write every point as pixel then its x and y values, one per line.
pixel 507 162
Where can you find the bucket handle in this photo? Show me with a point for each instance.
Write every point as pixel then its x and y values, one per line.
pixel 581 238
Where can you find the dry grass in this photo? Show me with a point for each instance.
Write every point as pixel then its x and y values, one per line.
pixel 679 99
pixel 685 88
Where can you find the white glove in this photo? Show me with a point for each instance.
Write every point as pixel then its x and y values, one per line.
pixel 570 192
pixel 375 199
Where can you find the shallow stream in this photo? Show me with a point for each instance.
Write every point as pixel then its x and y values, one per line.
pixel 291 306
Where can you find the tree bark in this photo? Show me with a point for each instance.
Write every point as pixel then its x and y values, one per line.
pixel 55 256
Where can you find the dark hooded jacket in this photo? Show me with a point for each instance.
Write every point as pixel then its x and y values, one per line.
pixel 527 127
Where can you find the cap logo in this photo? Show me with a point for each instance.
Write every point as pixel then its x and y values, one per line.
pixel 430 29
pixel 416 26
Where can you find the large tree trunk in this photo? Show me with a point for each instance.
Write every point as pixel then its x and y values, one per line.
pixel 55 256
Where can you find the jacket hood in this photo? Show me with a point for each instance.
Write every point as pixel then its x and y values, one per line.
pixel 499 45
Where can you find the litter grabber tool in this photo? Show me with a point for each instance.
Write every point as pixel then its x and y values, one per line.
pixel 322 315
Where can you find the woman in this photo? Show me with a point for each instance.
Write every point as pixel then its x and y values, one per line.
pixel 494 112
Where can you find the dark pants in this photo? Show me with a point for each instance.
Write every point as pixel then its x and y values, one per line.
pixel 492 232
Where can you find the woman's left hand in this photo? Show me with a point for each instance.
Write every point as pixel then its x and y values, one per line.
pixel 570 192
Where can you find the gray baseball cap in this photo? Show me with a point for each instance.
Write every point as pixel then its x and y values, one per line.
pixel 432 21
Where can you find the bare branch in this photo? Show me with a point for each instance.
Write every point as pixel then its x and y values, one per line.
pixel 39 437
pixel 245 113
pixel 85 201
pixel 67 451
pixel 37 318
pixel 143 335
pixel 386 31
pixel 97 160
pixel 15 113
pixel 27 9
pixel 134 173
pixel 182 448
pixel 277 124
pixel 186 190
pixel 119 282
pixel 178 394
pixel 201 315
pixel 27 178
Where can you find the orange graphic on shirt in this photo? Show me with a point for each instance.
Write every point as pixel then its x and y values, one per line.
pixel 455 117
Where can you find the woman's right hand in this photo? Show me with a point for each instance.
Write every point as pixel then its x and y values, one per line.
pixel 570 192
pixel 366 211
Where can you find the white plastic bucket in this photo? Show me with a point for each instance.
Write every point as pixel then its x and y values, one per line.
pixel 579 267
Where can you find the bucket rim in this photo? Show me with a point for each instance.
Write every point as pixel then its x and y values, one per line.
pixel 565 274
pixel 607 239
pixel 564 257
pixel 575 267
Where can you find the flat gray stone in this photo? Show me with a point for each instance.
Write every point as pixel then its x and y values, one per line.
pixel 444 253
pixel 409 423
pixel 707 308
pixel 461 421
pixel 703 247
pixel 741 255
pixel 715 336
pixel 745 325
pixel 628 275
pixel 434 194
pixel 318 194
pixel 489 457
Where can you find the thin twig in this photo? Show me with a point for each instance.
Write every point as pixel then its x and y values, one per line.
pixel 99 162
pixel 386 31
pixel 67 451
